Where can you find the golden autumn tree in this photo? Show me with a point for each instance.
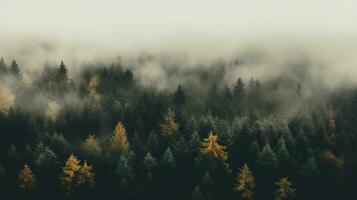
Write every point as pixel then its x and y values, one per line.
pixel 285 190
pixel 69 173
pixel 169 125
pixel 210 146
pixel 26 180
pixel 92 86
pixel 85 176
pixel 119 140
pixel 90 147
pixel 245 182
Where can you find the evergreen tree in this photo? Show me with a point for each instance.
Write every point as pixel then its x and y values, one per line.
pixel 3 66
pixel 149 162
pixel 285 190
pixel 197 194
pixel 14 158
pixel 267 160
pixel 194 143
pixel 168 160
pixel 245 182
pixel 124 171
pixel 62 74
pixel 238 89
pixel 26 180
pixel 29 154
pixel 60 145
pixel 46 159
pixel 15 70
pixel 179 97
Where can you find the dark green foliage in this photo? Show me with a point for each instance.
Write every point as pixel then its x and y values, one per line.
pixel 15 70
pixel 168 162
pixel 273 126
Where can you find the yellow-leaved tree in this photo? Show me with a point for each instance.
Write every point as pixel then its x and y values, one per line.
pixel 119 140
pixel 245 182
pixel 210 146
pixel 90 147
pixel 69 173
pixel 169 125
pixel 86 176
pixel 26 180
pixel 73 174
pixel 285 190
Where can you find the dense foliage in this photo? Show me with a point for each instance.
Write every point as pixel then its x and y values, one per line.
pixel 105 135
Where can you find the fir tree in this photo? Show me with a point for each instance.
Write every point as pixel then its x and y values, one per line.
pixel 62 73
pixel 3 66
pixel 179 97
pixel 124 171
pixel 15 69
pixel 168 160
pixel 149 162
pixel 197 194
pixel 267 160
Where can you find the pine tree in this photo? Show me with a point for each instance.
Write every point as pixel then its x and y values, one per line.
pixel 267 159
pixel 90 147
pixel 29 154
pixel 26 180
pixel 238 89
pixel 197 194
pixel 124 171
pixel 149 162
pixel 194 143
pixel 285 190
pixel 85 176
pixel 62 73
pixel 69 173
pixel 3 66
pixel 179 97
pixel 210 146
pixel 169 125
pixel 46 159
pixel 245 182
pixel 119 140
pixel 60 145
pixel 282 152
pixel 14 158
pixel 15 69
pixel 168 160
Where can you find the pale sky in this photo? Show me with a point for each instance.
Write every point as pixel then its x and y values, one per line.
pixel 39 31
pixel 132 20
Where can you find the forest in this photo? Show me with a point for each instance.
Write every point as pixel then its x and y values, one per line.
pixel 101 133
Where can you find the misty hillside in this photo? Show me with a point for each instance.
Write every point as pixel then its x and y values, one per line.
pixel 178 100
pixel 143 130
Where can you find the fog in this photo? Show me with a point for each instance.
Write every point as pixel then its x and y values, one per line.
pixel 263 40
